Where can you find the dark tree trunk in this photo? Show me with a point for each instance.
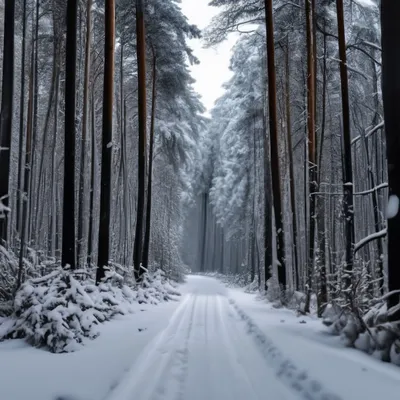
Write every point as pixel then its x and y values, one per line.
pixel 21 122
pixel 68 238
pixel 390 16
pixel 273 134
pixel 268 256
pixel 204 235
pixel 312 166
pixel 291 166
pixel 31 228
pixel 323 289
pixel 54 214
pixel 39 199
pixel 146 243
pixel 105 186
pixel 92 183
pixel 85 124
pixel 6 113
pixel 348 169
pixel 27 171
pixel 141 57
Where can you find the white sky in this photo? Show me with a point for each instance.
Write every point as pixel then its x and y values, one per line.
pixel 213 69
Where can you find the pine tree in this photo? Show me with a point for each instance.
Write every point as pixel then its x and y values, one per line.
pixel 68 237
pixel 6 114
pixel 390 13
pixel 105 188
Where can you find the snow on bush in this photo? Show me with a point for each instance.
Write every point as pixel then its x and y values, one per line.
pixel 59 310
pixel 155 288
pixel 33 266
pixel 371 333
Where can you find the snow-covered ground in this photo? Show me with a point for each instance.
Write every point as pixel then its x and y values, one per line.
pixel 214 344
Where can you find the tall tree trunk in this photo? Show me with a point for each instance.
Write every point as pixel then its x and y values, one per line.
pixel 390 16
pixel 21 122
pixel 320 206
pixel 68 236
pixel 105 186
pixel 53 225
pixel 348 169
pixel 312 166
pixel 146 243
pixel 6 114
pixel 273 132
pixel 92 183
pixel 39 199
pixel 85 124
pixel 27 171
pixel 141 57
pixel 268 255
pixel 204 234
pixel 31 227
pixel 291 166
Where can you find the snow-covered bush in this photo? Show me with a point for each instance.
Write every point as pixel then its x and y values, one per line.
pixel 155 288
pixel 371 333
pixel 59 310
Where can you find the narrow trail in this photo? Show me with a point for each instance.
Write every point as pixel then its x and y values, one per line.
pixel 206 352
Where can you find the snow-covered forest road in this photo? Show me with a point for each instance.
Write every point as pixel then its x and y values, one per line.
pixel 204 353
pixel 213 344
pixel 217 347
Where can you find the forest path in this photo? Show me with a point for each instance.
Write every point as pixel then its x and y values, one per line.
pixel 209 351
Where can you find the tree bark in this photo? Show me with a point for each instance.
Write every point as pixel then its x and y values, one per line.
pixel 348 169
pixel 146 243
pixel 291 166
pixel 273 132
pixel 21 122
pixel 27 171
pixel 68 238
pixel 6 114
pixel 85 124
pixel 92 183
pixel 390 15
pixel 141 57
pixel 312 166
pixel 105 186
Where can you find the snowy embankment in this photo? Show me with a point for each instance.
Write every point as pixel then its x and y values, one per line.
pixel 59 310
pixel 302 346
pixel 75 308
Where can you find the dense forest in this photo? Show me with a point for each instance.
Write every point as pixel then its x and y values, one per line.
pixel 109 164
pixel 295 196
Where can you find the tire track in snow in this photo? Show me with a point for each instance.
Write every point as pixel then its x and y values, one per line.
pixel 145 376
pixel 291 375
pixel 171 382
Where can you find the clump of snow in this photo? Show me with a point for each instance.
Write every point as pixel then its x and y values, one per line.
pixel 392 207
pixel 395 352
pixel 33 266
pixel 367 3
pixel 371 333
pixel 58 311
pixel 155 289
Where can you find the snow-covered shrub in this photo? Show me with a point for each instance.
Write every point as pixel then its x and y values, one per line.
pixel 156 288
pixel 371 333
pixel 59 310
pixel 34 265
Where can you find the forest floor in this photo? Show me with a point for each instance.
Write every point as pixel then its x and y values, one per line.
pixel 215 344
